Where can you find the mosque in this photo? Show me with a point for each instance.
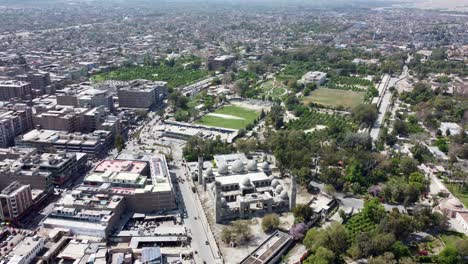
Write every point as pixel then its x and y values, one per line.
pixel 242 187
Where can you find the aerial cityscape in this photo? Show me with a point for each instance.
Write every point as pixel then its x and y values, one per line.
pixel 233 131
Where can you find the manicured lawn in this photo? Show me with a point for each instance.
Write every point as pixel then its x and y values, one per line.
pixel 460 192
pixel 271 90
pixel 244 117
pixel 450 237
pixel 335 97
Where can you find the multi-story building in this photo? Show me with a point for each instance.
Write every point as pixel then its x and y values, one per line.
pixel 314 77
pixel 15 199
pixel 12 170
pixel 38 80
pixel 10 89
pixel 85 95
pixel 84 214
pixel 94 144
pixel 216 63
pixel 141 94
pixel 27 250
pixel 143 179
pixel 15 119
pixel 62 166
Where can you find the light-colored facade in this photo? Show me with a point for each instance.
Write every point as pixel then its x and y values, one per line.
pixel 84 214
pixel 15 119
pixel 313 77
pixel 27 250
pixel 15 199
pixel 241 188
pixel 94 144
pixel 141 94
pixel 143 179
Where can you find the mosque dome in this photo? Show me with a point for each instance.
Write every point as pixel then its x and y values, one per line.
pixel 279 189
pixel 209 172
pixel 265 165
pixel 252 165
pixel 237 166
pixel 223 168
pixel 245 181
pixel 284 195
pixel 274 183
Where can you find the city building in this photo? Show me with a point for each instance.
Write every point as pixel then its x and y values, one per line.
pixel 13 170
pixel 217 63
pixel 143 179
pixel 94 144
pixel 15 119
pixel 15 199
pixel 314 77
pixel 141 94
pixel 38 80
pixel 241 188
pixel 85 214
pixel 27 250
pixel 62 166
pixel 85 95
pixel 10 89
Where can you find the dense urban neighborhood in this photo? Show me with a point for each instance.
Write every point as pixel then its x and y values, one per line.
pixel 252 132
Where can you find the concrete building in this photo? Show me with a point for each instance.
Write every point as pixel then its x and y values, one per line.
pixel 143 179
pixel 271 250
pixel 27 250
pixel 15 119
pixel 84 214
pixel 142 94
pixel 71 119
pixel 10 89
pixel 94 144
pixel 15 199
pixel 241 188
pixel 85 95
pixel 313 77
pixel 38 80
pixel 216 63
pixel 12 170
pixel 62 166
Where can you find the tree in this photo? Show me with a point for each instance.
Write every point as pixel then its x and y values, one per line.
pixel 321 256
pixel 226 235
pixel 119 143
pixel 303 211
pixel 334 238
pixel 270 222
pixel 408 165
pixel 329 189
pixel 359 141
pixel 449 256
pixel 365 114
pixel 242 230
pixel 400 250
pixel 373 210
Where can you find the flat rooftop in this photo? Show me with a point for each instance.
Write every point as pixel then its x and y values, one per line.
pixel 268 249
pixel 121 166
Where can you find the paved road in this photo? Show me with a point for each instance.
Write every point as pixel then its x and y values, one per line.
pixel 187 200
pixel 387 82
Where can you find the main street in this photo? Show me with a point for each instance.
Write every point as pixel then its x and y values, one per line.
pixel 203 242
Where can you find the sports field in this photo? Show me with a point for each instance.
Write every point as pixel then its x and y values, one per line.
pixel 229 116
pixel 335 97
